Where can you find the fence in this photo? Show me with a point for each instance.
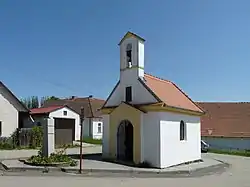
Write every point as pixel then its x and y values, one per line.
pixel 24 137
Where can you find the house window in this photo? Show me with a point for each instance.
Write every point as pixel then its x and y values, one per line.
pixel 65 113
pixel 129 55
pixel 99 130
pixel 128 94
pixel 0 128
pixel 183 131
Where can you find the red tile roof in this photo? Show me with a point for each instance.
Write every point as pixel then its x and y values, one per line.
pixel 45 110
pixel 225 119
pixel 91 105
pixel 170 94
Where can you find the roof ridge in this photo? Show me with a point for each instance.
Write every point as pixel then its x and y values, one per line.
pixel 50 106
pixel 158 78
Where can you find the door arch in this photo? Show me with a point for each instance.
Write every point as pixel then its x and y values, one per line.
pixel 125 141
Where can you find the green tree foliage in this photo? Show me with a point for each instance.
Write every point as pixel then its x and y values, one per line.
pixel 47 98
pixel 31 102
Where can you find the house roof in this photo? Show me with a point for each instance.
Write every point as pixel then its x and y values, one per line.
pixel 91 105
pixel 165 92
pixel 228 119
pixel 45 110
pixel 21 107
pixel 131 34
pixel 169 93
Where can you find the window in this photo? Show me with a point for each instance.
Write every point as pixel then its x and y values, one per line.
pixel 65 113
pixel 129 55
pixel 128 94
pixel 0 128
pixel 99 130
pixel 183 131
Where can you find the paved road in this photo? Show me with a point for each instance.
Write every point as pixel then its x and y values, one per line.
pixel 237 175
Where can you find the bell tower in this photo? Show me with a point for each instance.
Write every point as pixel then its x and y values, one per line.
pixel 131 57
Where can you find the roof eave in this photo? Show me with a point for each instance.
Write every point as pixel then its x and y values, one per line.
pixel 185 109
pixel 12 94
pixel 129 34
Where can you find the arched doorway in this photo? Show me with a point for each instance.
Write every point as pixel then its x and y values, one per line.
pixel 125 141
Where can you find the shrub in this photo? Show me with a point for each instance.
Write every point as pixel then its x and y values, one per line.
pixel 36 136
pixel 6 143
pixel 23 138
pixel 58 157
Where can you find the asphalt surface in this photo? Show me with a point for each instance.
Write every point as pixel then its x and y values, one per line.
pixel 236 175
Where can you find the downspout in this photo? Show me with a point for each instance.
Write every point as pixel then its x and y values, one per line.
pixel 31 118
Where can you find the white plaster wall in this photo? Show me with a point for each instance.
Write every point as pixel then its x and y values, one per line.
pixel 105 136
pixel 70 115
pixel 116 97
pixel 86 127
pixel 49 136
pixel 129 77
pixel 139 93
pixel 173 151
pixel 141 58
pixel 8 117
pixel 135 52
pixel 95 133
pixel 151 138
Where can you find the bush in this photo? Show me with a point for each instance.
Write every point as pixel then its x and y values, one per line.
pixel 23 138
pixel 36 136
pixel 6 143
pixel 54 158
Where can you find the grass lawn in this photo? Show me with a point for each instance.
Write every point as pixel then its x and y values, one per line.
pixel 92 141
pixel 231 152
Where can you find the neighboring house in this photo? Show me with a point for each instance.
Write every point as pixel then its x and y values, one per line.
pixel 12 112
pixel 92 116
pixel 148 119
pixel 226 124
pixel 66 121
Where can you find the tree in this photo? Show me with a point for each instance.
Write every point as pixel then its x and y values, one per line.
pixel 48 98
pixel 31 102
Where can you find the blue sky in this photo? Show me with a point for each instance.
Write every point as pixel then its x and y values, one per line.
pixel 65 48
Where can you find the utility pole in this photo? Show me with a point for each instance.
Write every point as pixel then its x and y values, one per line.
pixel 81 137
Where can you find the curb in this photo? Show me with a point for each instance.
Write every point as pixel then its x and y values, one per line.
pixel 131 171
pixel 23 169
pixel 218 168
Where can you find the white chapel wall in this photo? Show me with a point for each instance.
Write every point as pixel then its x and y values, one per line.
pixel 173 150
pixel 105 136
pixel 151 138
pixel 140 94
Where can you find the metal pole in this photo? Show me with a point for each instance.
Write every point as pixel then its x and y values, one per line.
pixel 81 137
